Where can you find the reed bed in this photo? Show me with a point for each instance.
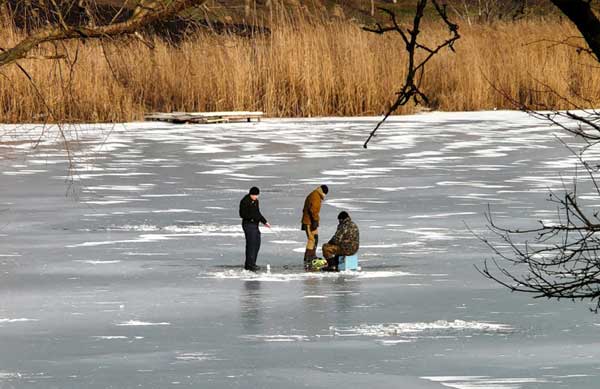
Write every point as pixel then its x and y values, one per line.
pixel 302 68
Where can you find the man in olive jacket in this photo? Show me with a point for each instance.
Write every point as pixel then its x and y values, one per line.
pixel 251 216
pixel 344 242
pixel 310 222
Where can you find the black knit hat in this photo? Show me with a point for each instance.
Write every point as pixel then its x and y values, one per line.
pixel 254 191
pixel 325 189
pixel 343 215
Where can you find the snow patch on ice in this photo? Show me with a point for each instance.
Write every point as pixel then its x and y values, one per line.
pixel 276 338
pixel 431 233
pixel 119 188
pixel 483 382
pixel 206 149
pixel 196 356
pixel 441 215
pixel 399 329
pixel 24 172
pixel 394 342
pixel 137 254
pixel 20 320
pixel 146 238
pixel 174 210
pixel 135 323
pixel 5 375
pixel 274 276
pixel 110 337
pixel 165 195
pixel 97 262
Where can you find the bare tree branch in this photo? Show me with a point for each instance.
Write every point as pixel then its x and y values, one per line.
pixel 146 12
pixel 415 64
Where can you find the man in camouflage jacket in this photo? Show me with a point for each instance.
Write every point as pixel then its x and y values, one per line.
pixel 344 242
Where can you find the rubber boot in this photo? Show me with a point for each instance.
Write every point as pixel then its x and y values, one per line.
pixel 307 260
pixel 332 264
pixel 309 255
pixel 336 262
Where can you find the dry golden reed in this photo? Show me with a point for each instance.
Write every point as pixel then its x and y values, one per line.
pixel 303 68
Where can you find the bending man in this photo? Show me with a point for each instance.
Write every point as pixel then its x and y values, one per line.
pixel 310 222
pixel 344 242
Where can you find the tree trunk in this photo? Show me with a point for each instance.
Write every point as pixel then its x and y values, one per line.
pixel 581 13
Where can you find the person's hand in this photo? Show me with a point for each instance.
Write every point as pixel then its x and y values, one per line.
pixel 267 225
pixel 314 226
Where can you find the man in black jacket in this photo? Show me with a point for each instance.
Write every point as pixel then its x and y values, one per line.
pixel 251 216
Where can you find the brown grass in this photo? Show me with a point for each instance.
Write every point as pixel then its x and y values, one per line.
pixel 304 68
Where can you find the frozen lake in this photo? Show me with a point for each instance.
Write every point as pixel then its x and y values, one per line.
pixel 127 275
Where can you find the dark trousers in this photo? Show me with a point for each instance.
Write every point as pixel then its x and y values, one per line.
pixel 252 234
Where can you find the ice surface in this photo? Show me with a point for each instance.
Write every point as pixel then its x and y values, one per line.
pixel 398 329
pixel 136 323
pixel 125 272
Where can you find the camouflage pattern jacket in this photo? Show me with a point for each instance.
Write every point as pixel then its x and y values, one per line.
pixel 346 237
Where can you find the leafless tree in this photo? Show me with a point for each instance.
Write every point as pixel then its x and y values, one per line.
pixel 559 259
pixel 144 12
pixel 419 54
pixel 582 14
pixel 487 11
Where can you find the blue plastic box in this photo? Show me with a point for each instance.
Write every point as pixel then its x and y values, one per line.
pixel 349 262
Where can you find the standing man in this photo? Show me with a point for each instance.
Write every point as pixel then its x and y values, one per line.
pixel 310 222
pixel 344 242
pixel 251 216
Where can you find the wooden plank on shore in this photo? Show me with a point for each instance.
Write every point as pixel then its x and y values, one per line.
pixel 204 117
